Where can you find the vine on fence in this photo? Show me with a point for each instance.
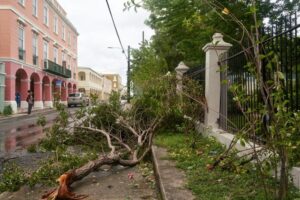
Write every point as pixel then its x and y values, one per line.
pixel 275 121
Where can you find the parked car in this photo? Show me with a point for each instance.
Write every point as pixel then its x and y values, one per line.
pixel 78 98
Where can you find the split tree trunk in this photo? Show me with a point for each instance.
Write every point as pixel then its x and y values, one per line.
pixel 63 191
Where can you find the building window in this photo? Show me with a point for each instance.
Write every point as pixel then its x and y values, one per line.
pixel 45 54
pixel 46 15
pixel 35 49
pixel 63 58
pixel 69 62
pixel 22 2
pixel 63 32
pixel 21 42
pixel 35 7
pixel 55 55
pixel 81 76
pixel 56 25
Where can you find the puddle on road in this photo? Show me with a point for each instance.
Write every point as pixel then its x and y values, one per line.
pixel 21 137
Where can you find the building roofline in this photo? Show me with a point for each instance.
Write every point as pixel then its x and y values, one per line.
pixel 88 68
pixel 64 17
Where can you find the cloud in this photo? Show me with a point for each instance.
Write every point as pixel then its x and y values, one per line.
pixel 93 22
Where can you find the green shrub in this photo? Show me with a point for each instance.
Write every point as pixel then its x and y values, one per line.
pixel 32 148
pixel 41 120
pixel 7 110
pixel 48 172
pixel 12 179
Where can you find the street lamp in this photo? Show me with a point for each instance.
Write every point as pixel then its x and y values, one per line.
pixel 128 69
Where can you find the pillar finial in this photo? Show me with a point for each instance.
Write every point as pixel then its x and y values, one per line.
pixel 181 68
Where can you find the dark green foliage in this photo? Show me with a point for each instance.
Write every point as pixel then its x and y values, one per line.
pixel 55 138
pixel 114 101
pixel 7 110
pixel 48 172
pixel 32 148
pixel 12 178
pixel 41 120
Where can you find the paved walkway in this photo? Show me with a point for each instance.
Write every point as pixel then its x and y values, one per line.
pixel 24 114
pixel 101 185
pixel 171 180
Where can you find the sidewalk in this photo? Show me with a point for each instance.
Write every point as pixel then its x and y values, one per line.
pixel 170 179
pixel 22 115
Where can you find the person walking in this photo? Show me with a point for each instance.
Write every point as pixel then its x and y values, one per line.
pixel 30 101
pixel 18 99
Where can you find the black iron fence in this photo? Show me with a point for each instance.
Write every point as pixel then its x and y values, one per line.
pixel 281 42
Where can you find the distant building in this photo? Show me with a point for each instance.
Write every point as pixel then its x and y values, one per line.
pixel 89 81
pixel 38 49
pixel 107 89
pixel 116 81
pixel 92 82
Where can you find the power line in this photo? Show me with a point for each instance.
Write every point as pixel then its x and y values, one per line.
pixel 112 18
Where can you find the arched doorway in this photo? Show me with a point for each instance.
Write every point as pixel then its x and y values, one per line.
pixel 64 92
pixel 70 88
pixel 36 88
pixel 46 92
pixel 74 88
pixel 81 76
pixel 21 87
pixel 56 90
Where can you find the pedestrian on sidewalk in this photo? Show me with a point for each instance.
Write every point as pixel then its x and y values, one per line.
pixel 18 99
pixel 30 101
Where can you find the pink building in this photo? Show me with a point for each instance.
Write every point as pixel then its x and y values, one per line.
pixel 38 47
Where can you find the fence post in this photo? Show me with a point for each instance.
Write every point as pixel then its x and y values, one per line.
pixel 212 78
pixel 180 70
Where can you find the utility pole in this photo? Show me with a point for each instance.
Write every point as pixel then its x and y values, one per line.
pixel 143 37
pixel 128 75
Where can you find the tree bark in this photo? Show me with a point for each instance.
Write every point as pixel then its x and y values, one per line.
pixel 283 187
pixel 63 191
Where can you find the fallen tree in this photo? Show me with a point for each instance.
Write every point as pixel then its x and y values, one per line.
pixel 128 134
pixel 114 157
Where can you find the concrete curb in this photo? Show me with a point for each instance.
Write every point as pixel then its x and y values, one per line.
pixel 171 180
pixel 24 115
pixel 158 175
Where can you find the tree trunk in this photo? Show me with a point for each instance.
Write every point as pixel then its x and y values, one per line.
pixel 283 187
pixel 63 191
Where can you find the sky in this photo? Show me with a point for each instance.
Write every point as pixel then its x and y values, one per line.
pixel 96 33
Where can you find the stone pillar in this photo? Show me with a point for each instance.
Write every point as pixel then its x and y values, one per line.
pixel 2 85
pixel 180 70
pixel 212 78
pixel 10 92
pixel 25 85
pixel 38 91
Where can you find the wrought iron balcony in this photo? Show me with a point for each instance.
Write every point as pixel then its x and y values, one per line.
pixel 54 68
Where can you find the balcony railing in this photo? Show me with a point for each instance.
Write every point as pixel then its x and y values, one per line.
pixel 35 59
pixel 56 69
pixel 21 54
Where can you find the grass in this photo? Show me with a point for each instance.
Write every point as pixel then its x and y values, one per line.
pixel 193 154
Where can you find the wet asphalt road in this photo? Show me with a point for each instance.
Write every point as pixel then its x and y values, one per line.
pixel 19 133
